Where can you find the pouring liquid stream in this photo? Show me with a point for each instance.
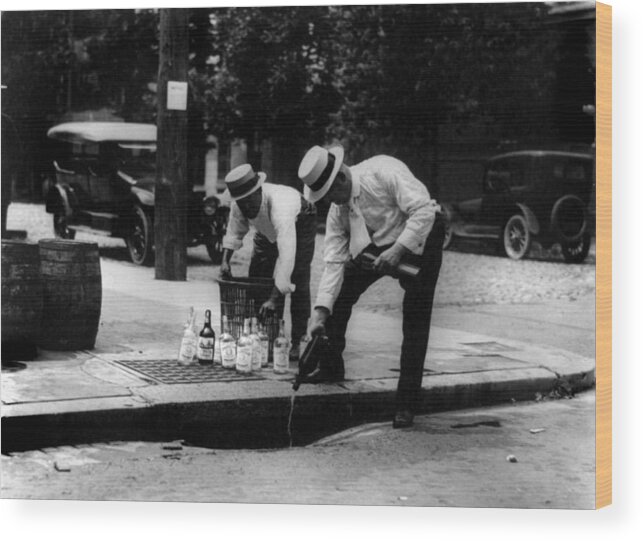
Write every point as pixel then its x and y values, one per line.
pixel 292 409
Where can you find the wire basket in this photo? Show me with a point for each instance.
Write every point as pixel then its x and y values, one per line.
pixel 242 298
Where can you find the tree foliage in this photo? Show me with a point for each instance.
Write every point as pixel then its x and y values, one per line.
pixel 265 75
pixel 376 77
pixel 54 62
pixel 381 77
pixel 403 71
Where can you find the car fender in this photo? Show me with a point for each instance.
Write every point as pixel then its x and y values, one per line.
pixel 448 211
pixel 532 221
pixel 60 196
pixel 144 197
pixel 450 214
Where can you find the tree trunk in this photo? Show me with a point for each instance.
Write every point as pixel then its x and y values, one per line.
pixel 171 178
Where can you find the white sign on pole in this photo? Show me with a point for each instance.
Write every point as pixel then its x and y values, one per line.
pixel 177 95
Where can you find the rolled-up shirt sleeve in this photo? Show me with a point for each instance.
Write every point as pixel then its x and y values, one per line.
pixel 414 200
pixel 238 227
pixel 284 224
pixel 336 255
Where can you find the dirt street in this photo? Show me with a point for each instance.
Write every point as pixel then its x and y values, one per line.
pixel 449 459
pixel 471 276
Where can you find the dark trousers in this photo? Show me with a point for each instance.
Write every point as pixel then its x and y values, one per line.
pixel 416 313
pixel 264 258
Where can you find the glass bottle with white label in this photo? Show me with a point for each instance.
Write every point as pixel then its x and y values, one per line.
pixel 256 345
pixel 244 349
pixel 281 350
pixel 205 344
pixel 228 346
pixel 187 351
pixel 265 344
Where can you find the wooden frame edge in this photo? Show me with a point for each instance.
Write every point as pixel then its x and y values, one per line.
pixel 603 255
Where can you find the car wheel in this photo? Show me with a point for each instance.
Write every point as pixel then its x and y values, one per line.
pixel 214 245
pixel 214 241
pixel 448 235
pixel 516 237
pixel 61 228
pixel 140 238
pixel 576 252
pixel 569 219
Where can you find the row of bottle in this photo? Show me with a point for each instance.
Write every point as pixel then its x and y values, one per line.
pixel 249 354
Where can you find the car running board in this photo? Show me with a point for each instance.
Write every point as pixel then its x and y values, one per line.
pixel 479 232
pixel 92 230
pixel 98 223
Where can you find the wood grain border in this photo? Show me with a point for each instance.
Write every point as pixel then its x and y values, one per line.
pixel 603 255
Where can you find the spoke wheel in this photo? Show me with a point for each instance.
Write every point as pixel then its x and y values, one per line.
pixel 214 245
pixel 516 237
pixel 214 242
pixel 448 235
pixel 140 242
pixel 61 228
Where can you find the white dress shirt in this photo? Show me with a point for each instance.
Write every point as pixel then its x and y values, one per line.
pixel 391 203
pixel 276 220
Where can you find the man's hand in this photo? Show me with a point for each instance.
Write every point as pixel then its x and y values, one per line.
pixel 318 319
pixel 389 259
pixel 267 308
pixel 224 270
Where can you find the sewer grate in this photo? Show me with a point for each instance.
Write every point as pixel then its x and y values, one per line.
pixel 168 371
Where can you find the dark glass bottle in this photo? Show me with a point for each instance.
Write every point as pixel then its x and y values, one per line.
pixel 205 346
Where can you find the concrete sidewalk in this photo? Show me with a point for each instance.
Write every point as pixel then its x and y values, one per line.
pixel 129 386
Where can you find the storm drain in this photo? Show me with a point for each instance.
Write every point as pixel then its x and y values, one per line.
pixel 169 372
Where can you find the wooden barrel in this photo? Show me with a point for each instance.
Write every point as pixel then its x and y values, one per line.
pixel 72 294
pixel 21 300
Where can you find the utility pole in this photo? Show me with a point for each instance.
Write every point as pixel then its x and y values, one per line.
pixel 170 200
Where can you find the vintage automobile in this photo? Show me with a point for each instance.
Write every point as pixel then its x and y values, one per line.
pixel 105 175
pixel 531 195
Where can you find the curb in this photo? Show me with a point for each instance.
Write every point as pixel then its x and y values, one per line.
pixel 263 422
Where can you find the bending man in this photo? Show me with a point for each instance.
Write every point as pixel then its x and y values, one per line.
pixel 284 242
pixel 378 206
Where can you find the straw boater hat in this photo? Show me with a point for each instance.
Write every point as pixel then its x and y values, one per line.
pixel 318 170
pixel 242 181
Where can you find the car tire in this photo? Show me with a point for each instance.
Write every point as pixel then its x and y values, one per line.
pixel 516 237
pixel 569 219
pixel 140 237
pixel 448 235
pixel 576 252
pixel 214 246
pixel 214 241
pixel 61 229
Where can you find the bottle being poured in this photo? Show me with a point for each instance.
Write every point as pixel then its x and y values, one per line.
pixel 309 360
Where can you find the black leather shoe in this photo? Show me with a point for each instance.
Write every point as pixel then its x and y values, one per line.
pixel 322 375
pixel 403 419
